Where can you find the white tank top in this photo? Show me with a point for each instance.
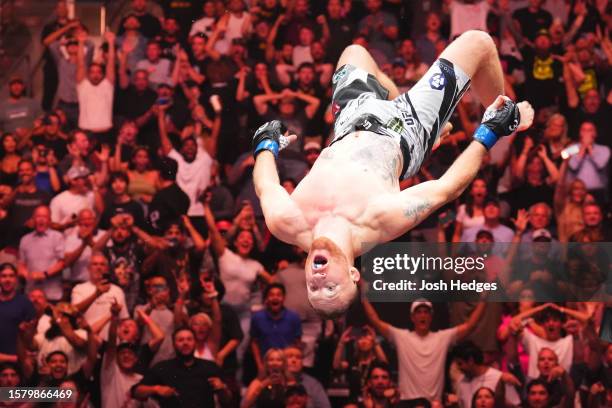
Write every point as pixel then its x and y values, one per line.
pixel 204 354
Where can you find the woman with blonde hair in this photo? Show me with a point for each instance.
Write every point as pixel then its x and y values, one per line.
pixel 555 137
pixel 568 201
pixel 268 389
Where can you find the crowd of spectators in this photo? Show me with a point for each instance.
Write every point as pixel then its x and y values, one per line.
pixel 136 265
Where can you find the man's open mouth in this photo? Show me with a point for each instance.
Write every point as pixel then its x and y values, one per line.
pixel 319 262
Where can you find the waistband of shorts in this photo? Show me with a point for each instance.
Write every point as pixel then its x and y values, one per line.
pixel 371 123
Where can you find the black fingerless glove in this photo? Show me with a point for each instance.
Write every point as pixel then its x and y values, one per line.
pixel 270 137
pixel 497 123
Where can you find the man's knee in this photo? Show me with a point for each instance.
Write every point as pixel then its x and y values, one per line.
pixel 358 56
pixel 479 40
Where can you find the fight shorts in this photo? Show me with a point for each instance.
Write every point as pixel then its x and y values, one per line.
pixel 414 119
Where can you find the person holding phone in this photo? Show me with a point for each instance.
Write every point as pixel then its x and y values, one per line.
pixel 357 352
pixel 268 389
pixel 93 298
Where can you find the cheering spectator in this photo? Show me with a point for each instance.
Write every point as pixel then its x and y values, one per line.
pixel 275 326
pixel 357 363
pixel 79 244
pixel 15 308
pixel 316 392
pixel 95 90
pixel 184 380
pixel 93 298
pixel 23 200
pixel 470 214
pixel 559 383
pixel 379 28
pixel 148 24
pixel 531 19
pixel 17 112
pixel 269 388
pixel 66 60
pixel 591 163
pixel 118 372
pixel 159 69
pixel 379 390
pixel 120 202
pixel 41 256
pixel 476 374
pixel 421 353
pixel 81 194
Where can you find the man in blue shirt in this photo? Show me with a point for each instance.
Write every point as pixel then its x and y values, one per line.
pixel 275 326
pixel 15 309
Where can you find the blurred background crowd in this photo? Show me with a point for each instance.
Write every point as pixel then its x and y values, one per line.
pixel 136 264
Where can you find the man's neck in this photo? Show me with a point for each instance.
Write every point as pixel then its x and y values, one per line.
pixel 480 370
pixel 6 296
pixel 276 314
pixel 338 230
pixel 27 188
pixel 492 223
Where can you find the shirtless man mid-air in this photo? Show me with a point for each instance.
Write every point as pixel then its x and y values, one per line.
pixel 351 195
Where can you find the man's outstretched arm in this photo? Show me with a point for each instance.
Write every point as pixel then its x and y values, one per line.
pixel 283 217
pixel 408 208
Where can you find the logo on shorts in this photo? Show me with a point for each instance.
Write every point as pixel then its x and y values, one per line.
pixel 437 81
pixel 339 75
pixel 395 125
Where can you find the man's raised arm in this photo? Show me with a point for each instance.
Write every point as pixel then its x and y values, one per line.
pixel 411 206
pixel 283 217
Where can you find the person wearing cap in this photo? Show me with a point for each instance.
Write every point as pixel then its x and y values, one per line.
pixel 18 111
pixel 398 75
pixel 421 353
pixel 148 14
pixel 41 256
pixel 543 86
pixel 170 201
pixel 66 205
pixel 118 370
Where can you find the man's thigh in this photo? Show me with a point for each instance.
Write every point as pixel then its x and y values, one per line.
pixel 435 96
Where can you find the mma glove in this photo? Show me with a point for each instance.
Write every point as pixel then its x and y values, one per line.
pixel 497 123
pixel 270 136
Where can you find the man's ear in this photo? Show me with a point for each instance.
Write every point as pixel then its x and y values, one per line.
pixel 354 273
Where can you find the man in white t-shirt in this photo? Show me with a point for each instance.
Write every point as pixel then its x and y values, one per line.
pixel 94 298
pixel 562 346
pixel 66 206
pixel 118 372
pixel 421 353
pixel 96 88
pixel 194 159
pixel 470 361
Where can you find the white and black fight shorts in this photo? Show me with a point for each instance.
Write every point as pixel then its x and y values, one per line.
pixel 414 118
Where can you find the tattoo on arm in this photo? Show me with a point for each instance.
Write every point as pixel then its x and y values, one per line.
pixel 417 210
